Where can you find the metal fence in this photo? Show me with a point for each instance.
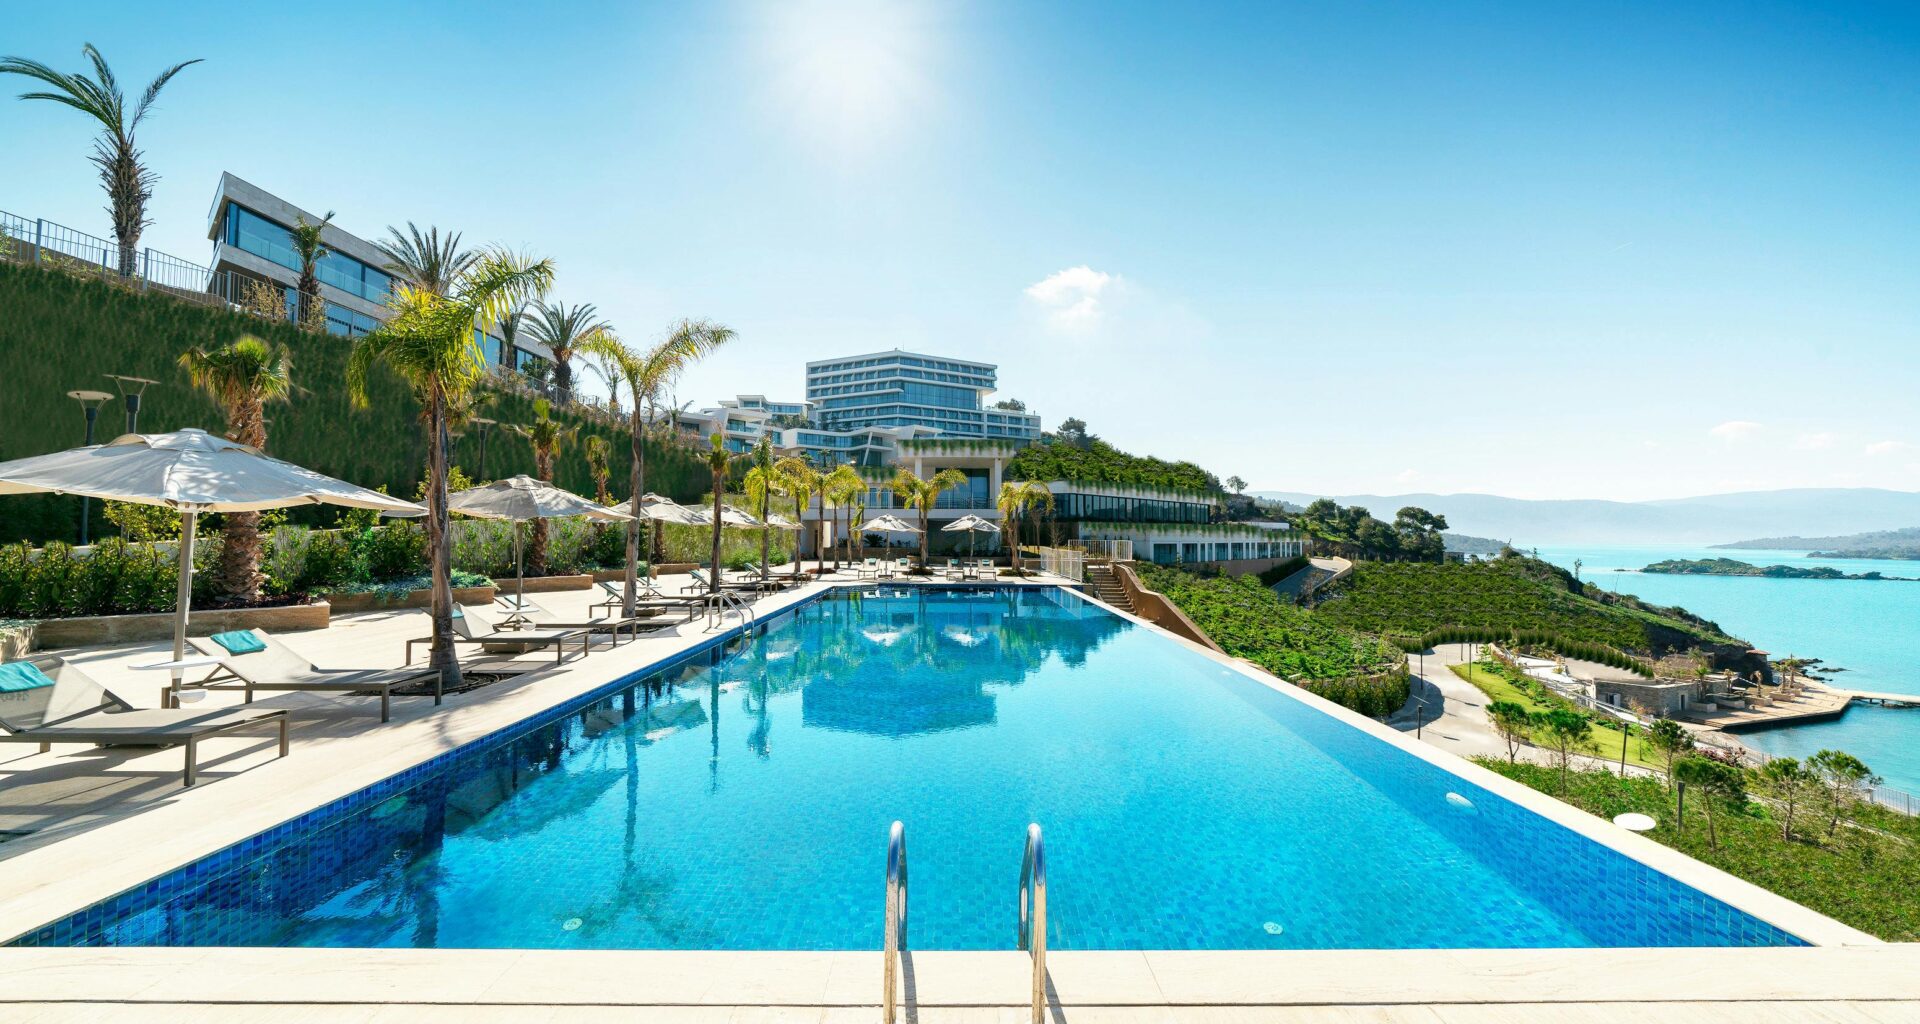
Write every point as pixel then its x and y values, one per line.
pixel 46 243
pixel 1065 563
pixel 1104 550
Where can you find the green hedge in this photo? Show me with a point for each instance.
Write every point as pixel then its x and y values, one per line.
pixel 1100 462
pixel 1249 621
pixel 60 333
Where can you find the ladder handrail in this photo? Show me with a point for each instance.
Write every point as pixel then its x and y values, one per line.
pixel 1032 924
pixel 896 916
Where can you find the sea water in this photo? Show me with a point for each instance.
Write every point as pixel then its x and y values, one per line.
pixel 1864 629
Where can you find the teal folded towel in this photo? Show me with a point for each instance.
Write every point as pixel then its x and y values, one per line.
pixel 240 641
pixel 22 675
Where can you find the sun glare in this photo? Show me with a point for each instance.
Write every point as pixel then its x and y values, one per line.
pixel 848 74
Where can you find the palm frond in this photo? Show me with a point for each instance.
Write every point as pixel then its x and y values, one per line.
pixel 498 280
pixel 153 91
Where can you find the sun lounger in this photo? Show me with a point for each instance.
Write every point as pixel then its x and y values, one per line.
pixel 648 599
pixel 468 628
pixel 611 625
pixel 869 570
pixel 274 667
pixel 48 701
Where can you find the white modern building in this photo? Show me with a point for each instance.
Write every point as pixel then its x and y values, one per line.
pixel 911 389
pixel 251 231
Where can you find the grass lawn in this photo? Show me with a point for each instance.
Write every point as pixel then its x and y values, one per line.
pixel 1498 684
pixel 1863 876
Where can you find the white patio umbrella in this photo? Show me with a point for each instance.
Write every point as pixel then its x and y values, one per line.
pixel 520 498
pixel 192 472
pixel 729 516
pixel 887 524
pixel 665 510
pixel 974 525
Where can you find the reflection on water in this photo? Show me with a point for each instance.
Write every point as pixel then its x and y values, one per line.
pixel 513 824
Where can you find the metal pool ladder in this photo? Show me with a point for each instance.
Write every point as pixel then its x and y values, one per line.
pixel 896 916
pixel 1032 925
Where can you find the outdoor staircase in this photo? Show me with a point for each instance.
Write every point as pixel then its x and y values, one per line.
pixel 1107 587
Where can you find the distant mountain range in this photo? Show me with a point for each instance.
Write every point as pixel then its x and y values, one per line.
pixel 1878 544
pixel 1709 519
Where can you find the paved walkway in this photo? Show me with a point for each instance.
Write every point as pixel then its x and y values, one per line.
pixel 1849 985
pixel 1450 713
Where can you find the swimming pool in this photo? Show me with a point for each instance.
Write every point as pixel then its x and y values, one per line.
pixel 740 798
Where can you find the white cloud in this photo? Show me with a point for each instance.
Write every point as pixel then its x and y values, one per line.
pixel 1071 297
pixel 1735 430
pixel 1816 440
pixel 1407 476
pixel 1888 447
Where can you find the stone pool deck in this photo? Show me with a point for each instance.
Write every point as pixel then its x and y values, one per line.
pixel 98 822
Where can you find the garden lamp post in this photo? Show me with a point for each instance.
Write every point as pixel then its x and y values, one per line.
pixel 90 402
pixel 485 425
pixel 131 389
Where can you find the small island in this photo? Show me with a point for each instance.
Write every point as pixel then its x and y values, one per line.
pixel 1734 567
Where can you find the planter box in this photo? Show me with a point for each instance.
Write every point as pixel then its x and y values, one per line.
pixel 674 568
pixel 89 630
pixel 17 642
pixel 616 575
pixel 415 599
pixel 549 584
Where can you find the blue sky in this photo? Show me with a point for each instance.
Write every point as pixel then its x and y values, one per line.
pixel 1604 250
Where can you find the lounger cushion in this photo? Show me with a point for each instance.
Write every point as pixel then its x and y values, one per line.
pixel 22 675
pixel 239 641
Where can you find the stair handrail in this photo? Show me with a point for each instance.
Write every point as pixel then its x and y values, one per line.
pixel 1032 924
pixel 896 931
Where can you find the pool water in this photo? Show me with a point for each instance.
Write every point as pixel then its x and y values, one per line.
pixel 741 800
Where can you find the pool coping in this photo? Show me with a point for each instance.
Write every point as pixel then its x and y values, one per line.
pixel 470 723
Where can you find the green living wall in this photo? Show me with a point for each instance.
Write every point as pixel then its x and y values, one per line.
pixel 60 333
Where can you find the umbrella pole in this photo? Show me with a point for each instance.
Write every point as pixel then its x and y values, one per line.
pixel 183 597
pixel 519 578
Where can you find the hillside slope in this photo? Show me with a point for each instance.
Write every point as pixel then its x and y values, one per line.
pixel 1407 599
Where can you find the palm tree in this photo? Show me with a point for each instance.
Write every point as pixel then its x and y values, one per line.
pixel 760 484
pixel 597 449
pixel 243 378
pixel 308 249
pixel 509 327
pixel 548 436
pixel 923 495
pixel 1015 500
pixel 842 487
pixel 610 372
pixel 564 330
pixel 800 481
pixel 128 181
pixel 718 461
pixel 648 373
pixel 429 263
pixel 429 341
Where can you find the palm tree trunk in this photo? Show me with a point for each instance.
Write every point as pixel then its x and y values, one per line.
pixel 926 539
pixel 713 569
pixel 239 571
pixel 440 546
pixel 639 479
pixel 1013 552
pixel 537 549
pixel 766 535
pixel 127 194
pixel 562 380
